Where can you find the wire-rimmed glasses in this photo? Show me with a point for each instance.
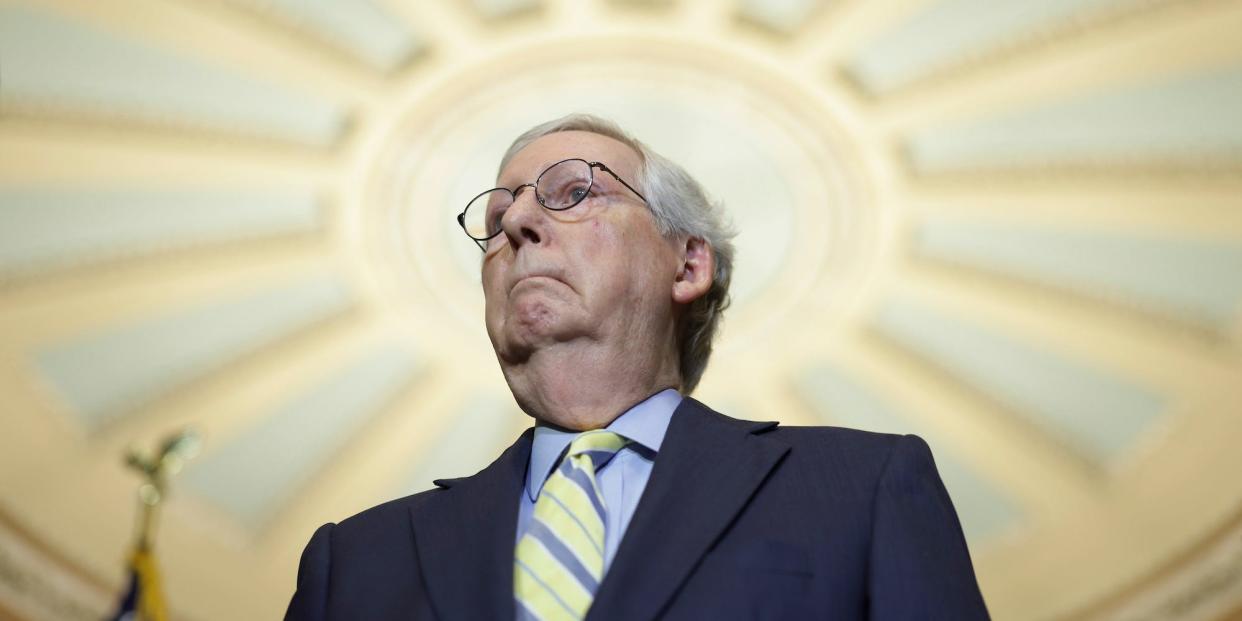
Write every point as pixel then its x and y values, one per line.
pixel 559 187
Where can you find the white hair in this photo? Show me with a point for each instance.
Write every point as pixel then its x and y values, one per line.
pixel 682 210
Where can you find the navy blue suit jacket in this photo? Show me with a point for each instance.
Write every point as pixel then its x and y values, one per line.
pixel 740 520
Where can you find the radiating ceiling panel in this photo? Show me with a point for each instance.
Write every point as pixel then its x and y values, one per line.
pixel 364 28
pixel 1198 280
pixel 1096 413
pixel 253 474
pixel 950 32
pixel 46 226
pixel 61 63
pixel 983 508
pixel 784 16
pixel 496 9
pixel 102 375
pixel 481 428
pixel 1188 121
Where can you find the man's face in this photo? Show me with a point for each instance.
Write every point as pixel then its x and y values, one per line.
pixel 598 271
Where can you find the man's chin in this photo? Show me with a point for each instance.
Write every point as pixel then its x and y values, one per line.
pixel 534 317
pixel 529 339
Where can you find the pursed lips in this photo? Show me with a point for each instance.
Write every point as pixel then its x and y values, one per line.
pixel 534 275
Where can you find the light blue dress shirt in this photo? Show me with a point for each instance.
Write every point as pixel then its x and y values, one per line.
pixel 622 480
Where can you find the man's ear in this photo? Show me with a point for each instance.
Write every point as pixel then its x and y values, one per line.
pixel 697 269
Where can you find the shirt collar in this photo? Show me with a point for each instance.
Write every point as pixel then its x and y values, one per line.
pixel 645 424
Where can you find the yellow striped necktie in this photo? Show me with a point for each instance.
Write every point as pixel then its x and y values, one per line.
pixel 559 561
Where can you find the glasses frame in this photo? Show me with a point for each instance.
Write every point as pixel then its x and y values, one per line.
pixel 534 186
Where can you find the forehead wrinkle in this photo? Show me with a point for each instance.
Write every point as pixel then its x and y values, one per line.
pixel 538 171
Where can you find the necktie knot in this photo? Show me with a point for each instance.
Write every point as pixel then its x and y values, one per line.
pixel 600 445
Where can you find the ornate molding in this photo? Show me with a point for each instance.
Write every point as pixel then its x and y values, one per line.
pixel 36 583
pixel 1205 585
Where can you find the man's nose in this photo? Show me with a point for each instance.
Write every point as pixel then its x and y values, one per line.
pixel 524 221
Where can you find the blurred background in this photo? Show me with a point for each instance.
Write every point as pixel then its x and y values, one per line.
pixel 1011 227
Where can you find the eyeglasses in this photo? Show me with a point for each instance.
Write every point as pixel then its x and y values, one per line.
pixel 559 187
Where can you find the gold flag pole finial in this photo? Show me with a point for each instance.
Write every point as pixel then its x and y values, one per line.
pixel 156 469
pixel 145 598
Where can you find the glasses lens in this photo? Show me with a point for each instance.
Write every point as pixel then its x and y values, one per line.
pixel 483 214
pixel 565 184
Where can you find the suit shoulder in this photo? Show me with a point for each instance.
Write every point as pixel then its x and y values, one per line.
pixel 852 449
pixel 863 455
pixel 795 433
pixel 384 516
pixel 840 437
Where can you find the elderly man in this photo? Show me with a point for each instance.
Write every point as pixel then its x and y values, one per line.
pixel 605 271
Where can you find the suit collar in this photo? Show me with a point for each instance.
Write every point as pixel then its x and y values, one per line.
pixel 464 537
pixel 709 469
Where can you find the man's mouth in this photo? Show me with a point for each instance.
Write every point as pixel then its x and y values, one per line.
pixel 535 278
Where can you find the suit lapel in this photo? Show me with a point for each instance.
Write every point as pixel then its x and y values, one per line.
pixel 465 538
pixel 709 466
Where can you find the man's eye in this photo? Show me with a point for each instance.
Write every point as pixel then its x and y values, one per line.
pixel 578 193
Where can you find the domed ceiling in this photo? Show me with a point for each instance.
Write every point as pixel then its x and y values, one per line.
pixel 1013 228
